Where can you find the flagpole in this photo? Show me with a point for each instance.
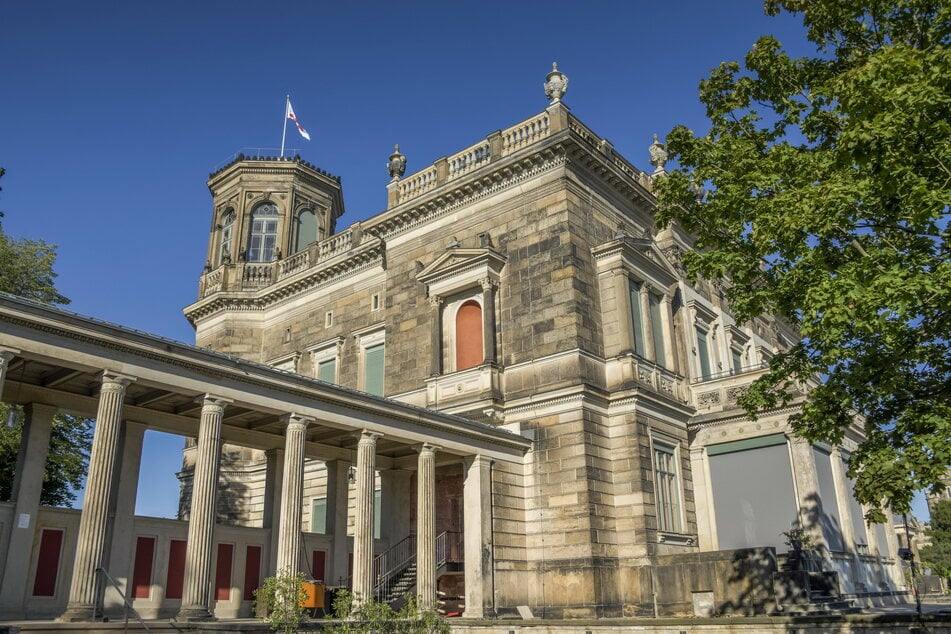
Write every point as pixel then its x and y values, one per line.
pixel 284 132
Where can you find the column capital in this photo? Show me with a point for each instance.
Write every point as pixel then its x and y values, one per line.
pixel 435 301
pixel 296 419
pixel 476 459
pixel 115 379
pixel 488 283
pixel 368 437
pixel 6 355
pixel 210 401
pixel 426 448
pixel 698 452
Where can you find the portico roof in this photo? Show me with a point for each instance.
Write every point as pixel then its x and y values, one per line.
pixel 58 357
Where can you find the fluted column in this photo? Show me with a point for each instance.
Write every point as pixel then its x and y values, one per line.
pixel 363 528
pixel 488 320
pixel 426 527
pixel 436 336
pixel 288 541
pixel 93 521
pixel 201 524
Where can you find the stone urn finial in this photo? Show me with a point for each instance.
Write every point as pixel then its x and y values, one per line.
pixel 556 84
pixel 397 164
pixel 658 154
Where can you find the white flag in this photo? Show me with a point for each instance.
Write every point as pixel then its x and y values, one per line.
pixel 290 115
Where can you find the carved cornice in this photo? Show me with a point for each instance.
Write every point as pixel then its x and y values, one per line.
pixel 457 194
pixel 370 254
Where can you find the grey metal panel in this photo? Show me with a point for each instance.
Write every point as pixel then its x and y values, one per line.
pixel 753 497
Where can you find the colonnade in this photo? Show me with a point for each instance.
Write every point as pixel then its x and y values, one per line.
pixel 99 517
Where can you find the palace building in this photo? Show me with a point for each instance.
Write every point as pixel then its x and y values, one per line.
pixel 503 387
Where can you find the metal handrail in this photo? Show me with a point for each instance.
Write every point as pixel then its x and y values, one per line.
pixel 125 601
pixel 390 566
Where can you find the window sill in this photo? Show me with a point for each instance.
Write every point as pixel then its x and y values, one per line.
pixel 675 539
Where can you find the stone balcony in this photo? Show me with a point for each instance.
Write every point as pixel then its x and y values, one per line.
pixel 721 391
pixel 481 385
pixel 630 371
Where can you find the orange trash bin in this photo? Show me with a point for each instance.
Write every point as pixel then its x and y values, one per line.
pixel 313 595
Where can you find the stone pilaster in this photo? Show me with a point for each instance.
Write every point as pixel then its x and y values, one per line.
pixel 201 526
pixel 363 527
pixel 807 487
pixel 646 321
pixel 703 499
pixel 289 538
pixel 338 490
pixel 273 493
pixel 435 368
pixel 395 505
pixel 488 320
pixel 126 481
pixel 670 351
pixel 27 488
pixel 477 537
pixel 426 527
pixel 91 544
pixel 622 289
pixel 6 356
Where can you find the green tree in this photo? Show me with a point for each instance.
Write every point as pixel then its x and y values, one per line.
pixel 829 183
pixel 26 269
pixel 70 442
pixel 938 555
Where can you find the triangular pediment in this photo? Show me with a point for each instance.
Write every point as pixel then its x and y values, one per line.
pixel 640 254
pixel 458 268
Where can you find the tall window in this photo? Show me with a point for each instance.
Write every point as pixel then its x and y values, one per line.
pixel 306 233
pixel 667 487
pixel 640 345
pixel 327 370
pixel 373 369
pixel 737 360
pixel 318 516
pixel 703 354
pixel 657 329
pixel 263 240
pixel 227 228
pixel 469 350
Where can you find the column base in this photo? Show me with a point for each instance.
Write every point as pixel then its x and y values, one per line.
pixel 194 615
pixel 78 614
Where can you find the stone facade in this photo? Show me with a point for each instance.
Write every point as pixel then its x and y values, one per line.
pixel 590 340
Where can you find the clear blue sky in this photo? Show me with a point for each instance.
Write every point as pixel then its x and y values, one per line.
pixel 112 115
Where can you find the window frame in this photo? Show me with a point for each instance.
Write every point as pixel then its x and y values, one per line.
pixel 324 352
pixel 670 448
pixel 451 310
pixel 226 235
pixel 368 339
pixel 259 255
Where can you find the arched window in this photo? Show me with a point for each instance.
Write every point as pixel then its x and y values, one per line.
pixel 263 239
pixel 227 227
pixel 469 350
pixel 306 229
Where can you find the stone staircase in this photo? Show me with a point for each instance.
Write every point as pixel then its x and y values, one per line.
pixel 801 588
